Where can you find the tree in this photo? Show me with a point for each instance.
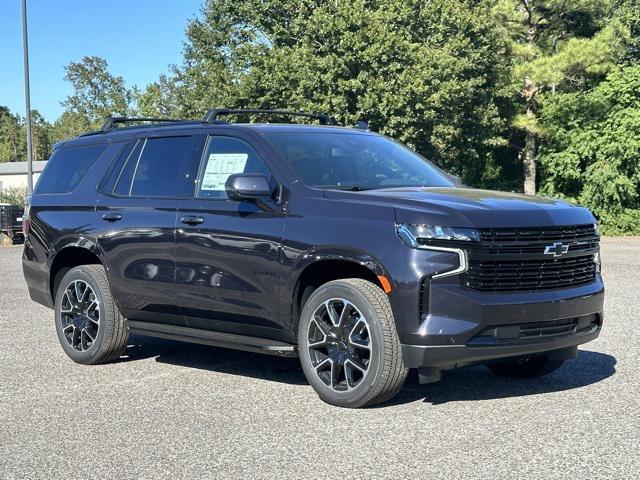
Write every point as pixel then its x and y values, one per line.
pixel 159 99
pixel 555 45
pixel 68 125
pixel 592 154
pixel 41 136
pixel 96 94
pixel 422 72
pixel 11 140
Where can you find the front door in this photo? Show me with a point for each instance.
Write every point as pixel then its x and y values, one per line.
pixel 136 220
pixel 228 252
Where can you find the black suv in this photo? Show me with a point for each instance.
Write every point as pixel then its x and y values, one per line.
pixel 337 245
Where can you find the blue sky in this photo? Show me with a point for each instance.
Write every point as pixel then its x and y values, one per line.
pixel 138 38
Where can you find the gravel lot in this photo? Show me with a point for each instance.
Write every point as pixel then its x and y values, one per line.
pixel 173 410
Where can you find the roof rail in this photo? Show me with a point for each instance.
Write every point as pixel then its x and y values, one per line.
pixel 212 115
pixel 111 122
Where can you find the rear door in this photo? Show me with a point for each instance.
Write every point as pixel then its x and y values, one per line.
pixel 228 252
pixel 136 222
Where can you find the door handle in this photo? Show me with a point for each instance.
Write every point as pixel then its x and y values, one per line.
pixel 192 220
pixel 112 217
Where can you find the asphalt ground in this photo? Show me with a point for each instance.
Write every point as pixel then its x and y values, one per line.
pixel 173 410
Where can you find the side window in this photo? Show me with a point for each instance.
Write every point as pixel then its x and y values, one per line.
pixel 158 167
pixel 67 167
pixel 113 173
pixel 223 157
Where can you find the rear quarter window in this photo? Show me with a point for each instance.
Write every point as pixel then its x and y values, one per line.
pixel 66 168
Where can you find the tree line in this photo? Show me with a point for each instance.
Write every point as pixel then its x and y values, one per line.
pixel 539 96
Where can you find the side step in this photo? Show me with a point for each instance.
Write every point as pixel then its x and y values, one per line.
pixel 217 339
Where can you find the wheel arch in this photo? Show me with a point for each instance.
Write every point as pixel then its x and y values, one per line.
pixel 317 267
pixel 69 255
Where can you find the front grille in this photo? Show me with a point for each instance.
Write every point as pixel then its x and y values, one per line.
pixel 533 240
pixel 542 234
pixel 543 274
pixel 514 259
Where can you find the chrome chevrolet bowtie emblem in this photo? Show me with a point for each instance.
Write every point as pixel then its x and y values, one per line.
pixel 557 249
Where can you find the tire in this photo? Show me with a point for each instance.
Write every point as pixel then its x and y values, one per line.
pixel 349 346
pixel 527 367
pixel 93 330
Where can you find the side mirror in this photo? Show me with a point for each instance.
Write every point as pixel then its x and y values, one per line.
pixel 248 186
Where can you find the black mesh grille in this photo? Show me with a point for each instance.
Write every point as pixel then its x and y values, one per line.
pixel 533 240
pixel 542 234
pixel 514 259
pixel 542 274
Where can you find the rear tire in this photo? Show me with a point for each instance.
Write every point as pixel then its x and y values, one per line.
pixel 528 367
pixel 349 346
pixel 89 325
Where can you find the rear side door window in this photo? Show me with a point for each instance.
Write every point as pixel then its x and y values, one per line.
pixel 158 167
pixel 223 157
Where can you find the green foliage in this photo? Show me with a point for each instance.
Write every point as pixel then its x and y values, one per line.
pixel 96 93
pixel 422 72
pixel 12 144
pixel 13 137
pixel 592 155
pixel 14 196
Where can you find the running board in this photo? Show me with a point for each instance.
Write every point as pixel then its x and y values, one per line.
pixel 214 338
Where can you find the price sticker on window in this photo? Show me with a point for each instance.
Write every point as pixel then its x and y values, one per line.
pixel 220 166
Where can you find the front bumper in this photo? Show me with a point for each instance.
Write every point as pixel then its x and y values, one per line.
pixel 444 357
pixel 466 327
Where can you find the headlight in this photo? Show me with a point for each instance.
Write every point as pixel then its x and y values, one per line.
pixel 596 229
pixel 419 236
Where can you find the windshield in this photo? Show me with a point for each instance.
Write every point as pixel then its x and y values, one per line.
pixel 354 161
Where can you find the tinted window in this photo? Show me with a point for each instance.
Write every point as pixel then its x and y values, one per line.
pixel 224 157
pixel 348 160
pixel 113 174
pixel 124 175
pixel 67 167
pixel 158 167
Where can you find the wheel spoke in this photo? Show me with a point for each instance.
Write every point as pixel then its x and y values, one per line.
pixel 353 373
pixel 345 314
pixel 357 363
pixel 66 328
pixel 66 305
pixel 319 343
pixel 86 332
pixel 323 365
pixel 93 306
pixel 323 327
pixel 336 370
pixel 356 338
pixel 333 315
pixel 86 294
pixel 75 337
pixel 77 290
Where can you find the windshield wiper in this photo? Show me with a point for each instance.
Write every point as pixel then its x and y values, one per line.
pixel 350 188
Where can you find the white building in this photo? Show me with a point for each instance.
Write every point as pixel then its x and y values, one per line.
pixel 14 174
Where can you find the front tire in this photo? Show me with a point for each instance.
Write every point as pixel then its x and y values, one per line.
pixel 89 325
pixel 527 367
pixel 349 346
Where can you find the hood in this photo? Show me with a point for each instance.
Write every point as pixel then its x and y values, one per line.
pixel 467 207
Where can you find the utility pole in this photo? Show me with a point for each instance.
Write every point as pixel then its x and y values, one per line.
pixel 27 98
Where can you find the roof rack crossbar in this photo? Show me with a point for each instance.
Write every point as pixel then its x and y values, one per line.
pixel 212 115
pixel 111 122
